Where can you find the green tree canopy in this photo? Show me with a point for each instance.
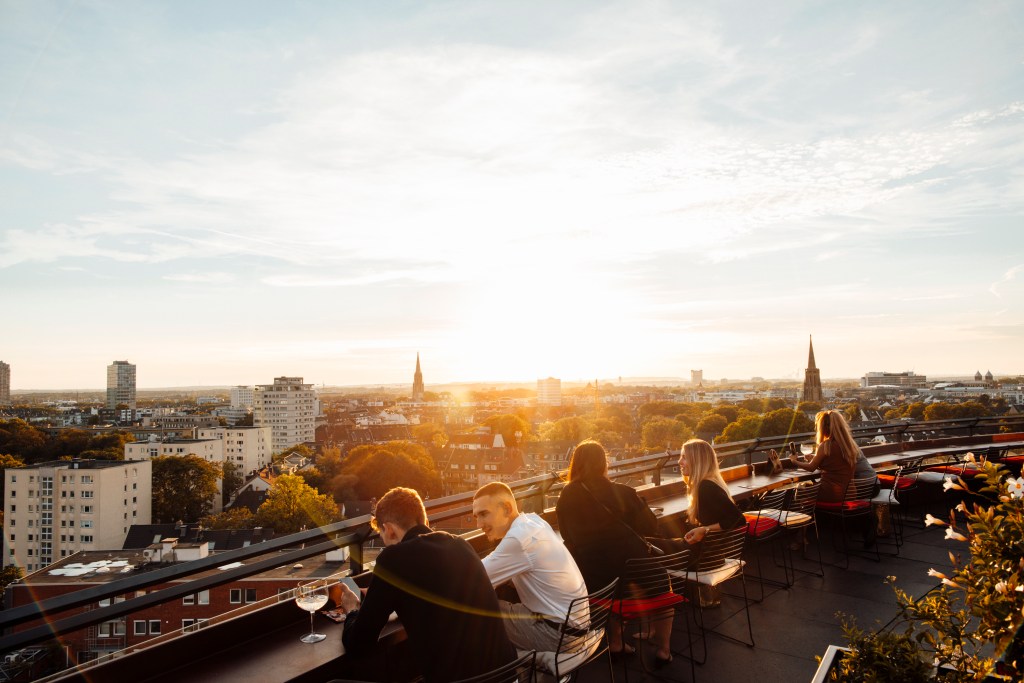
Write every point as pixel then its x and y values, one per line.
pixel 380 467
pixel 809 407
pixel 711 425
pixel 776 423
pixel 572 429
pixel 659 431
pixel 239 517
pixel 507 425
pixel 430 433
pixel 292 505
pixel 231 474
pixel 8 462
pixel 183 487
pixel 22 440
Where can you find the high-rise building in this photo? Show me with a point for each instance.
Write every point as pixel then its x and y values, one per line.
pixel 242 397
pixel 898 379
pixel 5 384
pixel 289 408
pixel 549 392
pixel 55 509
pixel 812 378
pixel 696 377
pixel 121 384
pixel 417 382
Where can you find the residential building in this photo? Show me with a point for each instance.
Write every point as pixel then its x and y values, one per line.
pixel 121 385
pixel 5 384
pixel 58 508
pixel 247 448
pixel 289 408
pixel 243 397
pixel 696 378
pixel 549 392
pixel 210 449
pixel 417 382
pixel 812 378
pixel 893 379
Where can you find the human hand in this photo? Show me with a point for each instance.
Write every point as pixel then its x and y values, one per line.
pixel 695 535
pixel 349 600
pixel 793 458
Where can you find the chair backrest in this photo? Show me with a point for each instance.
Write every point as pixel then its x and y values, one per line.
pixel 860 489
pixel 765 520
pixel 518 671
pixel 805 497
pixel 720 546
pixel 577 646
pixel 649 576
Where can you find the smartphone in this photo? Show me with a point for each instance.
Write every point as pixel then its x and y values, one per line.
pixel 351 583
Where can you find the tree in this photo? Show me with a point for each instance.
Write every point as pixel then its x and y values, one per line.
pixel 22 440
pixel 9 575
pixel 573 429
pixel 239 517
pixel 232 480
pixel 659 432
pixel 730 413
pixel 776 423
pixel 292 506
pixel 430 433
pixel 183 488
pixel 380 467
pixel 507 425
pixel 711 425
pixel 809 407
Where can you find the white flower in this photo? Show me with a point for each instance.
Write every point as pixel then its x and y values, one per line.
pixel 1015 487
pixel 949 582
pixel 950 484
pixel 930 519
pixel 1000 587
pixel 936 573
pixel 970 457
pixel 952 534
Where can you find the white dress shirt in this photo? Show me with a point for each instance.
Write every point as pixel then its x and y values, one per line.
pixel 539 565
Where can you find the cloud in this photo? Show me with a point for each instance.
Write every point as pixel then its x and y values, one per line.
pixel 1007 277
pixel 205 278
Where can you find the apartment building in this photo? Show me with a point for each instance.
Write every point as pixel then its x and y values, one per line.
pixel 243 397
pixel 248 448
pixel 5 384
pixel 549 392
pixel 58 508
pixel 121 385
pixel 289 408
pixel 895 379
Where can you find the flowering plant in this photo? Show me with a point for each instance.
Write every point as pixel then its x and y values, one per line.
pixel 971 623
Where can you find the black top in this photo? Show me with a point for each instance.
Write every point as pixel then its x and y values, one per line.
pixel 438 587
pixel 599 539
pixel 717 507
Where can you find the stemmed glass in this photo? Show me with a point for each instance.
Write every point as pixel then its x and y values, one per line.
pixel 807 448
pixel 311 597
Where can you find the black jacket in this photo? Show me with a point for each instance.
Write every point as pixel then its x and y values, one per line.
pixel 436 584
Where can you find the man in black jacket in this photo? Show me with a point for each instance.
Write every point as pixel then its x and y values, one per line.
pixel 437 585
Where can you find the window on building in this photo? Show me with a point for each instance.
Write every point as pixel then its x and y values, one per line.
pixel 189 599
pixel 186 624
pixel 204 597
pixel 250 595
pixel 86 494
pixel 139 627
pixel 235 596
pixel 86 539
pixel 154 627
pixel 86 523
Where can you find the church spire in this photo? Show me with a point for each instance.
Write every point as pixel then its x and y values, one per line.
pixel 417 381
pixel 810 355
pixel 812 378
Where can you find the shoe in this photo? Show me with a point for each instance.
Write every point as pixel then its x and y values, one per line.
pixel 626 651
pixel 660 663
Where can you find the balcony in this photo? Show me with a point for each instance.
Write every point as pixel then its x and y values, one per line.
pixel 259 641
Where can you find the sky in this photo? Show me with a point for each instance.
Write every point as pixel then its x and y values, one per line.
pixel 226 192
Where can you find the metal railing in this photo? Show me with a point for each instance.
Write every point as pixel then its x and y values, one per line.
pixel 533 494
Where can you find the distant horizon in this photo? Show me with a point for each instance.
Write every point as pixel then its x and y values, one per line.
pixel 629 187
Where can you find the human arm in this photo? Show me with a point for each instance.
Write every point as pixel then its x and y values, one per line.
pixel 717 512
pixel 812 464
pixel 365 619
pixel 506 561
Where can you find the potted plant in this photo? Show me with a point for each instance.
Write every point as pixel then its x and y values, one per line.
pixel 969 628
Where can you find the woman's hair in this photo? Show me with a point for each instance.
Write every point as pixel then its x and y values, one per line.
pixel 589 461
pixel 831 425
pixel 703 465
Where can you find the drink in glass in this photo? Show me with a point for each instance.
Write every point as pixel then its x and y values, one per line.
pixel 311 597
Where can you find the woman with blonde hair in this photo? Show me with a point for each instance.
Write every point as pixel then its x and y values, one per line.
pixel 711 506
pixel 837 456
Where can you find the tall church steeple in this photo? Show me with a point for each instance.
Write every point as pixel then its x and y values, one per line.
pixel 417 381
pixel 812 378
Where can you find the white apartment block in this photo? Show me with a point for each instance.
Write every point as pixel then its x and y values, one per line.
pixel 289 408
pixel 898 379
pixel 55 509
pixel 247 448
pixel 549 392
pixel 210 449
pixel 243 397
pixel 121 384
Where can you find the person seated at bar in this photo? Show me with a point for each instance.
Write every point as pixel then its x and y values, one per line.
pixel 839 459
pixel 603 525
pixel 437 585
pixel 711 507
pixel 532 556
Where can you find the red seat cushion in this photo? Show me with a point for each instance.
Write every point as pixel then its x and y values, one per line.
pixel 760 526
pixel 886 480
pixel 631 608
pixel 844 506
pixel 969 471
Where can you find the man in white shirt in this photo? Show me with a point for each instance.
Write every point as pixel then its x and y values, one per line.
pixel 532 556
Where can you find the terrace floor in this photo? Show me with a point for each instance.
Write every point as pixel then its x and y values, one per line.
pixel 792 626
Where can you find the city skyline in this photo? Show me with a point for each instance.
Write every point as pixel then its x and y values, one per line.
pixel 230 193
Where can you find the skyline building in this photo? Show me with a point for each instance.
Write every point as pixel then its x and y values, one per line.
pixel 696 377
pixel 289 407
pixel 812 377
pixel 5 384
pixel 549 392
pixel 898 379
pixel 121 385
pixel 55 509
pixel 417 381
